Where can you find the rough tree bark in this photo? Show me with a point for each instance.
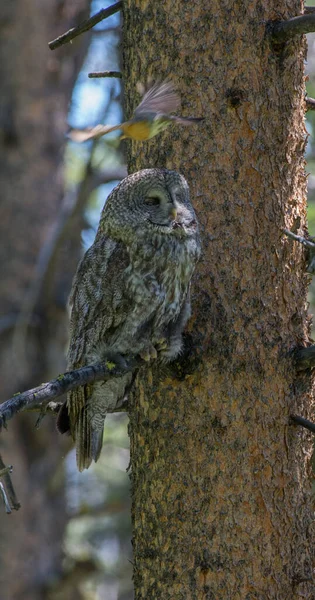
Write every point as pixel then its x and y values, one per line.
pixel 220 480
pixel 36 87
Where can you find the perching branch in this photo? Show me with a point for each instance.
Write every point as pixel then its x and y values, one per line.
pixel 309 244
pixel 7 489
pixel 64 383
pixel 97 74
pixel 303 422
pixel 85 26
pixel 282 31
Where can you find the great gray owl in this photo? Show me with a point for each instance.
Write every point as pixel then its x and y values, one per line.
pixel 130 295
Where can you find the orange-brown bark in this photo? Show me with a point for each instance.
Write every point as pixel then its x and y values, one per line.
pixel 221 481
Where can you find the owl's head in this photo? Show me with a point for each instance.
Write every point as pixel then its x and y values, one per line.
pixel 151 199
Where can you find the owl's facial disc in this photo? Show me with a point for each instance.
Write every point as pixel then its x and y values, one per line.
pixel 160 207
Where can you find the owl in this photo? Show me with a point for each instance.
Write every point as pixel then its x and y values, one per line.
pixel 130 295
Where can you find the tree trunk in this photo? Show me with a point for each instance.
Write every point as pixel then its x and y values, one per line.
pixel 221 481
pixel 36 87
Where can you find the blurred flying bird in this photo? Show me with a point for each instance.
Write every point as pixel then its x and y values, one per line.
pixel 150 117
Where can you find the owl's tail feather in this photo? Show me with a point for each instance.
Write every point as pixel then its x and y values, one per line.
pixel 96 443
pixel 88 441
pixel 82 440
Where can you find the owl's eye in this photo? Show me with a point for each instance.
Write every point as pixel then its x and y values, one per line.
pixel 152 201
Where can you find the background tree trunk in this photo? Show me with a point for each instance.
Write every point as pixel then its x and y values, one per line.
pixel 36 87
pixel 221 488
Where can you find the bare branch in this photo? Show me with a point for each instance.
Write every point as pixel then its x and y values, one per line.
pixel 282 31
pixel 305 358
pixel 85 26
pixel 303 422
pixel 97 74
pixel 63 383
pixel 5 499
pixel 298 238
pixel 310 102
pixel 52 408
pixel 309 244
pixel 7 489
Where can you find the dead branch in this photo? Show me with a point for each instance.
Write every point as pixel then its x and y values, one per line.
pixel 97 74
pixel 298 238
pixel 65 382
pixel 303 422
pixel 85 26
pixel 309 244
pixel 282 31
pixel 310 102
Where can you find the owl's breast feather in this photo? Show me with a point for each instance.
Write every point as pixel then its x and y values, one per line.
pixel 160 272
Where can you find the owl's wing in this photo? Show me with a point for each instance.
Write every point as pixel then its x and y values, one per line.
pixel 99 304
pixel 97 295
pixel 161 98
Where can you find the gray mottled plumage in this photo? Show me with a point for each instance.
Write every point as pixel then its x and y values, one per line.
pixel 130 295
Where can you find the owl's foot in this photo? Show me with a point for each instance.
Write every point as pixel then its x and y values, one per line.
pixel 170 349
pixel 148 353
pixel 162 344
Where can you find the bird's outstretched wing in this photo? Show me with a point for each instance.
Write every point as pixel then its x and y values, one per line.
pixel 160 98
pixel 82 135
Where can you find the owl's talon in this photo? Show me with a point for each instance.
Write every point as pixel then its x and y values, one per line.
pixel 162 344
pixel 149 353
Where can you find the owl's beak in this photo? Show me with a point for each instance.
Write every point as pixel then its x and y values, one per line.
pixel 173 213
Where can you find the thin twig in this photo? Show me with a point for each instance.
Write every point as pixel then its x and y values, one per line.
pixel 310 102
pixel 7 489
pixel 5 470
pixel 85 26
pixel 5 499
pixel 309 245
pixel 96 74
pixel 62 384
pixel 282 31
pixel 303 422
pixel 305 358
